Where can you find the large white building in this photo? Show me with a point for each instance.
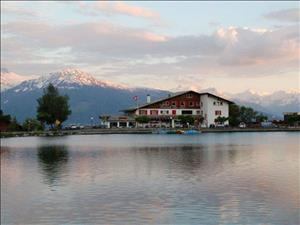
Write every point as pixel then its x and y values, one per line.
pixel 200 105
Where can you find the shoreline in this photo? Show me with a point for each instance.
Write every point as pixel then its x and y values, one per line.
pixel 137 131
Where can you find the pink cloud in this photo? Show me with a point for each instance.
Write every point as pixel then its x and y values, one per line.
pixel 148 36
pixel 134 10
pixel 117 7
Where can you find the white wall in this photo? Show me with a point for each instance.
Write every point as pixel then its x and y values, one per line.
pixel 209 108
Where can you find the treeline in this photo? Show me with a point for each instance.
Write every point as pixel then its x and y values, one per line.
pixel 12 124
pixel 239 114
pixel 53 109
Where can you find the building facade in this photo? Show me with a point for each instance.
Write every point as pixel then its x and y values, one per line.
pixel 199 105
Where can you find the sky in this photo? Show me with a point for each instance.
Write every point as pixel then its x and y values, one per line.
pixel 230 46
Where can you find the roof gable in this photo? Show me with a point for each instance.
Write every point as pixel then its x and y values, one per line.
pixel 177 94
pixel 171 96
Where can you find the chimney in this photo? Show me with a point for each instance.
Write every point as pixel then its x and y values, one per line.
pixel 148 98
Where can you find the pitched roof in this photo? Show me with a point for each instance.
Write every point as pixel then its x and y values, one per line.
pixel 172 96
pixel 210 94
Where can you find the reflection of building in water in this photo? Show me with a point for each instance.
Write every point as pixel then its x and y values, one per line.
pixel 186 159
pixel 52 160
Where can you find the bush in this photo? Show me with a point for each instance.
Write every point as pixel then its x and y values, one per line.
pixel 142 119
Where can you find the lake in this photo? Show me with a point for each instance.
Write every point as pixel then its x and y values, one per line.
pixel 222 178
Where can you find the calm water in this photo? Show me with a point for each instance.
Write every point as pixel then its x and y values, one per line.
pixel 246 178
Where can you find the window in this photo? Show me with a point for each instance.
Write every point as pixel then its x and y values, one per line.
pixel 182 104
pixel 191 103
pixel 189 95
pixel 214 103
pixel 218 112
pixel 221 103
pixel 186 112
pixel 142 112
pixel 167 103
pixel 198 112
pixel 153 112
pixel 173 103
pixel 164 112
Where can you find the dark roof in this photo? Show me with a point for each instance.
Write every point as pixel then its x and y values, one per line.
pixel 172 96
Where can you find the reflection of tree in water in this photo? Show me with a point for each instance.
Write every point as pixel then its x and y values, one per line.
pixel 52 160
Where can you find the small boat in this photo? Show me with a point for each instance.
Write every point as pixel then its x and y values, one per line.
pixel 161 131
pixel 179 132
pixel 191 132
pixel 187 132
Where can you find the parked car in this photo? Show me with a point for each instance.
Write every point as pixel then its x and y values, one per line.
pixel 242 125
pixel 74 127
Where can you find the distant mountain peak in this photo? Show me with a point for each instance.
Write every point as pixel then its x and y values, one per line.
pixel 68 78
pixel 10 79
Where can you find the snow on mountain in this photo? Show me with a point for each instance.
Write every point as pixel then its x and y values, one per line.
pixel 279 97
pixel 271 103
pixel 87 92
pixel 274 103
pixel 66 78
pixel 10 79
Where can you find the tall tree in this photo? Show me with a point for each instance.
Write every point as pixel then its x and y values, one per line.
pixel 53 108
pixel 238 114
pixel 234 115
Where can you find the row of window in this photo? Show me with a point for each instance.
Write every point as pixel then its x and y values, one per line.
pixel 218 103
pixel 182 104
pixel 168 112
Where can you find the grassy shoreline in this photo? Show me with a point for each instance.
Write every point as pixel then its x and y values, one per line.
pixel 136 131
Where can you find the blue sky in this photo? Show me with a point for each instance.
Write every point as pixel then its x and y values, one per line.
pixel 168 45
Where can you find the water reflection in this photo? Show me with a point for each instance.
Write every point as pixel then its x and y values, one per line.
pixel 189 159
pixel 165 181
pixel 52 161
pixel 4 151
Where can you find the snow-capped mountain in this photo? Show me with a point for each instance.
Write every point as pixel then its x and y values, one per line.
pixel 278 97
pixel 10 79
pixel 92 97
pixel 270 103
pixel 275 103
pixel 89 97
pixel 67 79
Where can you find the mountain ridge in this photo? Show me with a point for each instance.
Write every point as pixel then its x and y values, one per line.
pixel 87 93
